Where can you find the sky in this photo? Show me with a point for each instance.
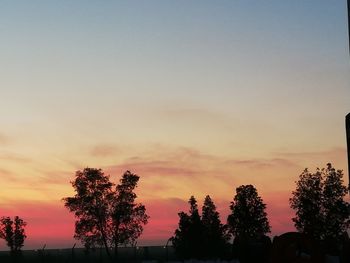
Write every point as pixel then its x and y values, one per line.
pixel 196 97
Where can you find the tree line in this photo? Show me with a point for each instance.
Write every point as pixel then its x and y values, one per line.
pixel 107 215
pixel 205 237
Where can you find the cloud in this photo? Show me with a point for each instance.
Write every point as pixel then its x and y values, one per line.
pixel 314 159
pixel 8 175
pixel 55 177
pixel 104 150
pixel 13 157
pixel 4 139
pixel 264 163
pixel 335 152
pixel 169 175
pixel 154 168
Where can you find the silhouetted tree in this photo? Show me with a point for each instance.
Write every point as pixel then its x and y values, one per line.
pixel 105 217
pixel 188 238
pixel 91 207
pixel 13 231
pixel 215 234
pixel 181 239
pixel 248 224
pixel 248 218
pixel 127 216
pixel 319 203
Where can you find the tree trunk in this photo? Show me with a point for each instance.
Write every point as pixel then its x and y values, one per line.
pixel 106 246
pixel 104 240
pixel 116 252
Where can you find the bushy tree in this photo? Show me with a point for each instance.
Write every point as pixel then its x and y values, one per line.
pixel 248 218
pixel 13 231
pixel 91 207
pixel 319 204
pixel 105 216
pixel 215 234
pixel 127 216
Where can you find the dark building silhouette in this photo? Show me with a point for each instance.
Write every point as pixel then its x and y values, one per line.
pixel 347 125
pixel 349 23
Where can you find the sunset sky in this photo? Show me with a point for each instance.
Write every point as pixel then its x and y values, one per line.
pixel 196 97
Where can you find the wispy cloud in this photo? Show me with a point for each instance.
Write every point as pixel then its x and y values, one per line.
pixel 104 150
pixel 335 152
pixel 169 175
pixel 4 139
pixel 13 157
pixel 263 162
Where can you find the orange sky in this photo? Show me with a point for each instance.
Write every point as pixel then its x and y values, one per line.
pixel 168 177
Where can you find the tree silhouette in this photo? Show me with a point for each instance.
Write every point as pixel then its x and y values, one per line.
pixel 200 236
pixel 127 216
pixel 13 231
pixel 91 207
pixel 215 234
pixel 248 218
pixel 105 217
pixel 248 224
pixel 319 203
pixel 188 238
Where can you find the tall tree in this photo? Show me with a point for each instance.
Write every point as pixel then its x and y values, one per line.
pixel 319 204
pixel 248 218
pixel 13 231
pixel 215 234
pixel 195 230
pixel 188 238
pixel 127 216
pixel 181 238
pixel 91 206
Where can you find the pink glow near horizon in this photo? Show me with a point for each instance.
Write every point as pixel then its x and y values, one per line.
pixel 52 225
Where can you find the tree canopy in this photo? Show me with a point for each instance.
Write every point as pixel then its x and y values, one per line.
pixel 13 232
pixel 248 218
pixel 319 204
pixel 105 216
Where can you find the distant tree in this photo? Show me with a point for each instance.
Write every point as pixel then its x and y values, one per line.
pixel 104 216
pixel 13 231
pixel 215 234
pixel 319 204
pixel 248 218
pixel 127 216
pixel 188 238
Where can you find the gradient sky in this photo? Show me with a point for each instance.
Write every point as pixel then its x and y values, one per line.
pixel 196 97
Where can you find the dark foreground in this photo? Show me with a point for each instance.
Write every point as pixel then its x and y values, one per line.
pixel 287 248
